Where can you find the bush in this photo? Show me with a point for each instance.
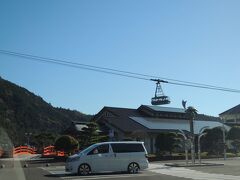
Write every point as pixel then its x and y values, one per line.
pixel 66 143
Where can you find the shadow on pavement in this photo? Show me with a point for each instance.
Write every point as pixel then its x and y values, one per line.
pixel 93 174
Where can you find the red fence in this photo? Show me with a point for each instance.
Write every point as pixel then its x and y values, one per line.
pixel 24 150
pixel 50 151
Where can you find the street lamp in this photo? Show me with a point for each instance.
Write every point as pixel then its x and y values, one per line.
pixel 224 142
pixel 201 134
pixel 185 144
pixel 28 138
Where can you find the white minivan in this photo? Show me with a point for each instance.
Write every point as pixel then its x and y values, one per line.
pixel 109 157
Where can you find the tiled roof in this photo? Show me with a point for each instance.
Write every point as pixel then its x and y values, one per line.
pixel 204 117
pixel 175 124
pixel 234 110
pixel 165 109
pixel 122 118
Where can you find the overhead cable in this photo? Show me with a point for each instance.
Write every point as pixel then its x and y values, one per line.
pixel 115 71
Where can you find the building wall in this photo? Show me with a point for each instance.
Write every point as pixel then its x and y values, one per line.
pixel 231 118
pixel 149 140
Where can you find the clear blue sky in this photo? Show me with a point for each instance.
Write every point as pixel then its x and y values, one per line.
pixel 182 39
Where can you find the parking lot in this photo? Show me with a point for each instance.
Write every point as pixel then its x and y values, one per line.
pixel 58 172
pixel 157 170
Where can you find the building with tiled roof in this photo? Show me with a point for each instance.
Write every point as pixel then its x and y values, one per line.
pixel 146 122
pixel 231 116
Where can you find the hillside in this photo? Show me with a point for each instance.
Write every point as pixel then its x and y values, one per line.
pixel 22 111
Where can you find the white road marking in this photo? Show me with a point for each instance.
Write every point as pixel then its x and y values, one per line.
pixel 57 170
pixel 188 173
pixel 155 168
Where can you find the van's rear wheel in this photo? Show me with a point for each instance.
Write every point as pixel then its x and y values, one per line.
pixel 133 168
pixel 84 169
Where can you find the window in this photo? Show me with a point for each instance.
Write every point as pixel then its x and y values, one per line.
pixel 102 149
pixel 125 147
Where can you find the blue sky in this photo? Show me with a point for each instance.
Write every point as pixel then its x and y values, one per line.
pixel 188 40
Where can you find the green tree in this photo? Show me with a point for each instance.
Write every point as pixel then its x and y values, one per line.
pixel 212 142
pixel 66 143
pixel 166 142
pixel 234 135
pixel 91 135
pixel 43 139
pixel 236 145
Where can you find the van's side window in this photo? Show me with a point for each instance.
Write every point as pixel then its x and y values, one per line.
pixel 125 147
pixel 102 149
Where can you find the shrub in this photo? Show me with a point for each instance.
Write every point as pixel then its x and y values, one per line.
pixel 66 143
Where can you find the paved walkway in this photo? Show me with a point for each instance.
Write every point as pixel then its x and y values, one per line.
pixel 188 173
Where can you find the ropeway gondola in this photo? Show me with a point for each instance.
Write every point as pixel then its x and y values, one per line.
pixel 159 98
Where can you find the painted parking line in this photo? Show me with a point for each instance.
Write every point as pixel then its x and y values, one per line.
pixel 56 170
pixel 188 173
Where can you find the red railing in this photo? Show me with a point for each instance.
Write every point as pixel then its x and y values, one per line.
pixel 24 150
pixel 50 151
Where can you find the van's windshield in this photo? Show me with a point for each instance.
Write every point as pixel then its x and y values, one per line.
pixel 87 149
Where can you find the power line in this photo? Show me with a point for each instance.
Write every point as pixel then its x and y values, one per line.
pixel 110 69
pixel 115 71
pixel 65 63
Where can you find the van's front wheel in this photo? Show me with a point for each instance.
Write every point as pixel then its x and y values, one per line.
pixel 84 169
pixel 133 168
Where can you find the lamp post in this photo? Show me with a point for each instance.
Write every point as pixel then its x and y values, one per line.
pixel 185 144
pixel 224 142
pixel 28 138
pixel 199 146
pixel 201 134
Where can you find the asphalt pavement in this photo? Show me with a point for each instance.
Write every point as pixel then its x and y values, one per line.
pixel 47 170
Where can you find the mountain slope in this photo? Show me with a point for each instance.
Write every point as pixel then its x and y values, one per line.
pixel 22 111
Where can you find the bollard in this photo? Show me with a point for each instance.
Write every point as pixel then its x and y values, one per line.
pixel 47 165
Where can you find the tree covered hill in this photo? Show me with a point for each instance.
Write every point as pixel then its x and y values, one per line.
pixel 23 112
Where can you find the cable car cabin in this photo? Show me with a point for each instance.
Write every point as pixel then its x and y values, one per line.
pixel 160 100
